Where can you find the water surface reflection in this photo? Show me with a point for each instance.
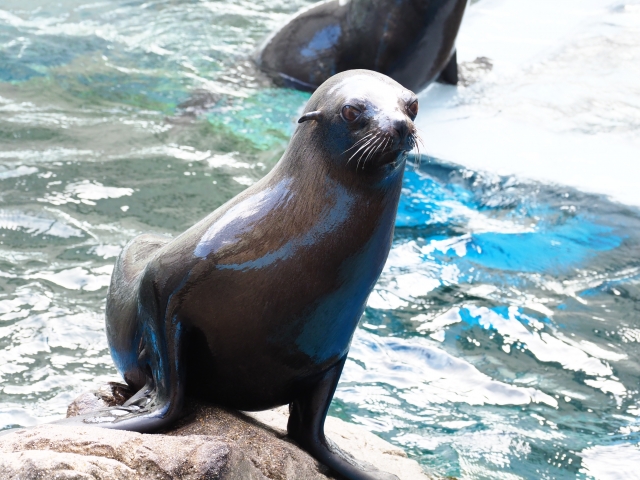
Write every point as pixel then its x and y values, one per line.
pixel 500 342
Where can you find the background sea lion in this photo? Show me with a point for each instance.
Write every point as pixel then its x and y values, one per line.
pixel 255 306
pixel 411 41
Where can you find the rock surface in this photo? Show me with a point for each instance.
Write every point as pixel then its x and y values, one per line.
pixel 209 443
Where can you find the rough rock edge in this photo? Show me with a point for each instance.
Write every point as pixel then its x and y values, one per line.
pixel 210 442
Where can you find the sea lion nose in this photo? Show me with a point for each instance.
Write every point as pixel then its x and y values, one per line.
pixel 401 128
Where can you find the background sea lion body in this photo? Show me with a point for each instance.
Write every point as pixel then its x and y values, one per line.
pixel 255 306
pixel 411 41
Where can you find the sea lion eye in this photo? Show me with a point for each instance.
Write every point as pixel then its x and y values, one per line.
pixel 350 113
pixel 413 109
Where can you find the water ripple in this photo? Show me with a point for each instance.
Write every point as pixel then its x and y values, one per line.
pixel 501 339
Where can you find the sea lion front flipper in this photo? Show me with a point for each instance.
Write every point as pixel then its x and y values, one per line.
pixel 449 73
pixel 306 427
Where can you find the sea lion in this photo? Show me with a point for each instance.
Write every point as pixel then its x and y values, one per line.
pixel 411 41
pixel 255 306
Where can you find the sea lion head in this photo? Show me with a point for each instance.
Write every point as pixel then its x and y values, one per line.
pixel 363 119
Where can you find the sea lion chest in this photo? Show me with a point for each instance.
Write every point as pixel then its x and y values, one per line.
pixel 277 283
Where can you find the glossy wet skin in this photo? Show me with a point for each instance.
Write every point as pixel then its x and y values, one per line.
pixel 411 41
pixel 275 281
pixel 255 306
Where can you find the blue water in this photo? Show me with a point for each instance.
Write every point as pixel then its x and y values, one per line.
pixel 500 342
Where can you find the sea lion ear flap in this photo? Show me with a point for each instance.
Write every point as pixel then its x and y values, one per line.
pixel 316 115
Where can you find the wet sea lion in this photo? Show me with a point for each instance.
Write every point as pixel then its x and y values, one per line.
pixel 411 41
pixel 255 306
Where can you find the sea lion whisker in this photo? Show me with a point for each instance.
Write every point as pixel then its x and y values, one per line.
pixel 368 142
pixel 416 139
pixel 370 136
pixel 365 146
pixel 383 143
pixel 418 162
pixel 365 137
pixel 379 146
pixel 372 151
pixel 419 137
pixel 362 155
pixel 358 142
pixel 418 143
pixel 368 149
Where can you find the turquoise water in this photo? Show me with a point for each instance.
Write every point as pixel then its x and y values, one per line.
pixel 500 342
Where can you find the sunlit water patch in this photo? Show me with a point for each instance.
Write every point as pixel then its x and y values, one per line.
pixel 499 337
pixel 501 341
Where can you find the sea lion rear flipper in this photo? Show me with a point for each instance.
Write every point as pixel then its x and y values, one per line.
pixel 307 414
pixel 159 402
pixel 449 73
pixel 149 410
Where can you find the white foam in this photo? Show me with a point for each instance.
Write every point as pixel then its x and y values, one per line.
pixel 561 104
pixel 611 462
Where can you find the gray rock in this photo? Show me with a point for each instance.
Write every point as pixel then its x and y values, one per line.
pixel 55 451
pixel 108 395
pixel 209 443
pixel 472 72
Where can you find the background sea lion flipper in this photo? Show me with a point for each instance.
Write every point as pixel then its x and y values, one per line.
pixel 307 414
pixel 449 74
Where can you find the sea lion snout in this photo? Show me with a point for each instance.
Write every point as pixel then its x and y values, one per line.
pixel 400 129
pixel 401 125
pixel 393 130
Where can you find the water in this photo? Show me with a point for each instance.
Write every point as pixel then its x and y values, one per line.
pixel 500 342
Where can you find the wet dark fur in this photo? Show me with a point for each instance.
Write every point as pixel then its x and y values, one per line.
pixel 255 306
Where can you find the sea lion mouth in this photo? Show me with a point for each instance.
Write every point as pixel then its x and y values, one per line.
pixel 378 147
